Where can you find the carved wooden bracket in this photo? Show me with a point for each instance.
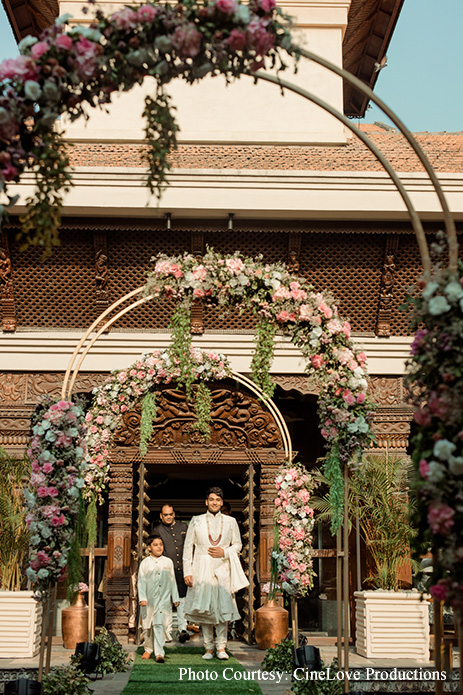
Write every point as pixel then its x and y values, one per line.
pixel 7 302
pixel 101 271
pixel 294 252
pixel 383 324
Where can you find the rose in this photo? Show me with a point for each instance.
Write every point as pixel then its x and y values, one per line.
pixel 146 13
pixel 440 591
pixel 440 518
pixel 234 265
pixel 187 40
pixel 64 41
pixel 226 6
pixel 317 361
pixel 39 49
pixel 237 40
pixel 423 468
pixel 125 19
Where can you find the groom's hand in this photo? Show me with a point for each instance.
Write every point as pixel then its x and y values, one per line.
pixel 216 552
pixel 188 580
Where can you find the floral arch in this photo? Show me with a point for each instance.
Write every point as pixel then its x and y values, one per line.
pixel 69 448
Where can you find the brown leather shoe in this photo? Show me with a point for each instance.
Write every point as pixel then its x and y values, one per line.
pixel 146 655
pixel 160 659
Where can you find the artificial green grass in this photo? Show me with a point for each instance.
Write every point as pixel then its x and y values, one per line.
pixel 150 678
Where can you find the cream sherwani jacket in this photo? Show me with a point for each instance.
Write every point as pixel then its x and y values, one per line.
pixel 215 580
pixel 157 586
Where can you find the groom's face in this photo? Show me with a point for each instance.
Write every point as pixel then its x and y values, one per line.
pixel 214 503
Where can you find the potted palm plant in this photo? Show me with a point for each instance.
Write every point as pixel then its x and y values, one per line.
pixel 390 623
pixel 20 614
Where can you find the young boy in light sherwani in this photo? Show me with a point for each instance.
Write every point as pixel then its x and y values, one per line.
pixel 157 590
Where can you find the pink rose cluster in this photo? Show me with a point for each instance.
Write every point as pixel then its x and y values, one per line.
pixel 57 452
pixel 294 521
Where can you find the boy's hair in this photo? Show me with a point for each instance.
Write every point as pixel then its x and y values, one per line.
pixel 153 537
pixel 215 491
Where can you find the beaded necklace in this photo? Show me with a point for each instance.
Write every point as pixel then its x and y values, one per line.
pixel 213 541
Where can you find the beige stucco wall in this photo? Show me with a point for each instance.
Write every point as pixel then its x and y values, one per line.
pixel 211 111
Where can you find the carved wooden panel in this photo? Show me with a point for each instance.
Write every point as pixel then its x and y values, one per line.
pixel 386 390
pixel 6 287
pixel 267 508
pixel 297 382
pixel 101 272
pixel 238 420
pixel 385 306
pixel 392 427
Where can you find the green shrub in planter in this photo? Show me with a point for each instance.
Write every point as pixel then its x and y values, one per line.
pixel 67 680
pixel 113 659
pixel 280 657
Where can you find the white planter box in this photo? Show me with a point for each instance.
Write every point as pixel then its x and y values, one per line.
pixel 392 625
pixel 20 624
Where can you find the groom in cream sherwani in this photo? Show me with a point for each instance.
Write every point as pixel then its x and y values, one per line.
pixel 213 573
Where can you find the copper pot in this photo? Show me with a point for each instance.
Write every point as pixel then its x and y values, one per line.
pixel 74 623
pixel 271 625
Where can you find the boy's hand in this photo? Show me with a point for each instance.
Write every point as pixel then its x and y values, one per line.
pixel 143 603
pixel 188 580
pixel 176 603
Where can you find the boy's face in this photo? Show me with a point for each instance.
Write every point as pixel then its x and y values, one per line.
pixel 156 547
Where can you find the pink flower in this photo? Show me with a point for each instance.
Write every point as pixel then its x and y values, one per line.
pixel 281 293
pixel 298 294
pixel 423 468
pixel 88 417
pixel 348 398
pixel 9 172
pixel 47 467
pixel 267 5
pixel 362 358
pixel 121 377
pixel 226 6
pixel 187 41
pixel 346 329
pixel 63 41
pixel 237 40
pixel 299 535
pixel 261 39
pixel 57 520
pixel 86 57
pixel 440 518
pixel 440 591
pixel 277 502
pixel 303 495
pixel 53 492
pixel 283 316
pixel 305 312
pixel 302 567
pixel 175 269
pixel 325 310
pixel 198 292
pixel 146 13
pixel 235 265
pixel 43 558
pixel 317 361
pixel 361 398
pixel 125 19
pixel 21 68
pixel 200 273
pixel 38 49
pixel 422 417
pixel 334 326
pixel 42 491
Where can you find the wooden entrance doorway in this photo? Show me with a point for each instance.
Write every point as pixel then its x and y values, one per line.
pixel 245 446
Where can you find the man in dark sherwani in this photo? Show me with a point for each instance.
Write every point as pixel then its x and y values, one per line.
pixel 173 535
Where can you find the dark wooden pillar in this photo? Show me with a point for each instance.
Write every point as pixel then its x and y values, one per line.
pixel 119 543
pixel 267 508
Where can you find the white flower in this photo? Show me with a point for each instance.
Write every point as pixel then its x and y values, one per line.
pixel 63 19
pixel 436 472
pixel 32 90
pixel 455 465
pixel 26 43
pixel 443 449
pixel 454 291
pixel 429 290
pixel 438 305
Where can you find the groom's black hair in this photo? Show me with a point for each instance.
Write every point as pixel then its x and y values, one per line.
pixel 215 491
